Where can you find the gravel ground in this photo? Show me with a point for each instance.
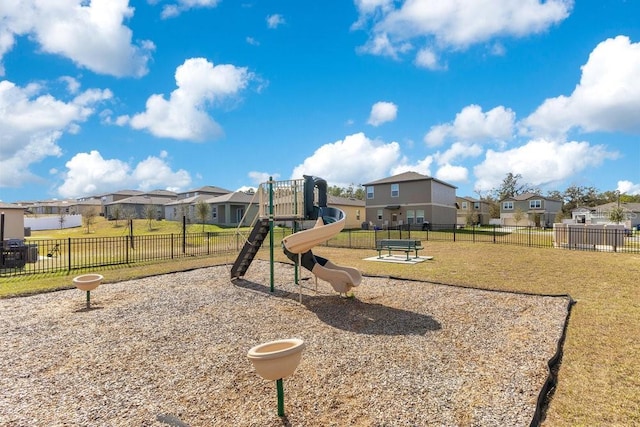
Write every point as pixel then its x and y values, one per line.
pixel 171 351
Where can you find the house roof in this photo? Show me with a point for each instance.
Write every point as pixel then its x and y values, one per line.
pixel 189 200
pixel 633 207
pixel 469 199
pixel 407 177
pixel 11 206
pixel 527 196
pixel 161 193
pixel 344 201
pixel 235 197
pixel 140 200
pixel 122 193
pixel 211 189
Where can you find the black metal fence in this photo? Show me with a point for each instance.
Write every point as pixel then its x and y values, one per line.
pixel 56 255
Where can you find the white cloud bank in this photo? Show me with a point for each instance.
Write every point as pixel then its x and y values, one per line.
pixel 184 115
pixel 91 174
pixel 540 162
pixel 472 124
pixel 432 26
pixel 382 112
pixel 275 20
pixel 606 99
pixel 353 160
pixel 32 122
pixel 174 9
pixel 91 34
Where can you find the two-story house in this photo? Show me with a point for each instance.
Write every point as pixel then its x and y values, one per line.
pixel 410 198
pixel 472 211
pixel 529 209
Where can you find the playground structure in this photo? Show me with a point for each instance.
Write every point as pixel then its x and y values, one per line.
pixel 298 201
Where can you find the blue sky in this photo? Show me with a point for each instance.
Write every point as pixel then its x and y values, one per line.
pixel 103 95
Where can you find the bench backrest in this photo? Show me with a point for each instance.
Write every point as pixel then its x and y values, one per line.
pixel 398 242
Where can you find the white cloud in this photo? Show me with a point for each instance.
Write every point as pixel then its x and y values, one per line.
pixel 184 115
pixel 628 187
pixel 450 173
pixel 73 85
pixel 458 151
pixel 453 24
pixel 540 162
pixel 91 34
pixel 32 124
pixel 153 173
pixel 252 41
pixel 382 112
pixel 175 9
pixel 354 160
pixel 428 58
pixel 260 177
pixel 606 99
pixel 91 174
pixel 275 20
pixel 472 124
pixel 422 166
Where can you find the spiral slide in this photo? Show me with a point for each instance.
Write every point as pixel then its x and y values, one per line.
pixel 330 223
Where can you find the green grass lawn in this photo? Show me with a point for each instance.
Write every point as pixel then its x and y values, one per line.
pixel 599 378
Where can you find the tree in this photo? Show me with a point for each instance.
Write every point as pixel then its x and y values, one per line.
pixel 116 213
pixel 203 210
pixel 150 215
pixel 351 192
pixel 518 215
pixel 511 187
pixel 617 215
pixel 576 196
pixel 61 218
pixel 89 217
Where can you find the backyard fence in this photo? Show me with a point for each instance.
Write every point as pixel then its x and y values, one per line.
pixel 37 256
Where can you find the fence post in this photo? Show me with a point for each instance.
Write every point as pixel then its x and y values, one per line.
pixel 454 232
pixel 172 245
pixel 494 233
pixel 529 237
pixel 69 252
pixel 473 233
pixel 184 234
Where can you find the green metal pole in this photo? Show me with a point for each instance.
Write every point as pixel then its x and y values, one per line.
pixel 280 388
pixel 271 264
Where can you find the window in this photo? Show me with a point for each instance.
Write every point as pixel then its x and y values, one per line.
pixel 369 192
pixel 535 204
pixel 410 217
pixel 419 216
pixel 358 214
pixel 395 190
pixel 507 206
pixel 476 205
pixel 380 214
pixel 239 215
pixel 214 212
pixel 464 205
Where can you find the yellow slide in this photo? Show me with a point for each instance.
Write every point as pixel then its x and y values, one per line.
pixel 342 279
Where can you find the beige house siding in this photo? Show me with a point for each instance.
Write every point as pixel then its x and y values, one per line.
pixel 410 198
pixel 468 206
pixel 13 221
pixel 538 211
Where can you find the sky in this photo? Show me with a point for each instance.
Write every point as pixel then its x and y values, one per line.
pixel 105 95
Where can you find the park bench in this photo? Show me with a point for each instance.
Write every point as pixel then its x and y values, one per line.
pixel 405 245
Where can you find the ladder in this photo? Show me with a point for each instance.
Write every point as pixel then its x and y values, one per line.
pixel 250 248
